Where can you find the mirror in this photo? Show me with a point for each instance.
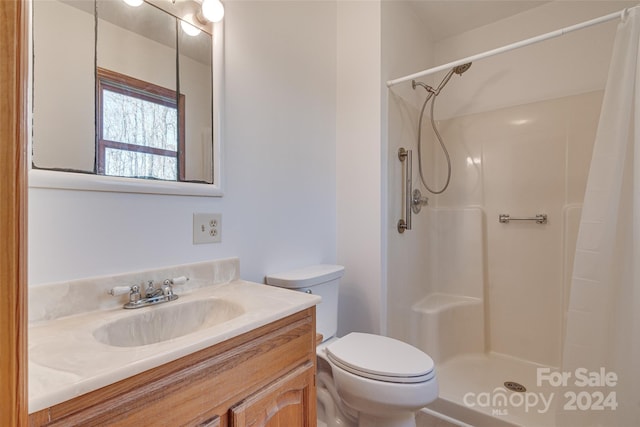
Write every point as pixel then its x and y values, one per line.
pixel 125 94
pixel 195 81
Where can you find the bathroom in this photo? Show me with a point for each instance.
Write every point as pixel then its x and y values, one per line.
pixel 309 167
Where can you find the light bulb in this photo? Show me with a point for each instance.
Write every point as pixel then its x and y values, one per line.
pixel 134 3
pixel 189 29
pixel 213 10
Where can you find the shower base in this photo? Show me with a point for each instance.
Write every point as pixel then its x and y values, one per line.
pixel 472 392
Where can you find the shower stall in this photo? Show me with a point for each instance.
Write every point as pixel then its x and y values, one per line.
pixel 482 281
pixel 492 294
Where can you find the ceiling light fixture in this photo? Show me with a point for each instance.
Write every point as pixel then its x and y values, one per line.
pixel 189 28
pixel 212 10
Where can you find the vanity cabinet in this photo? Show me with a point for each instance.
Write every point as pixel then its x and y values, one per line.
pixel 286 402
pixel 264 377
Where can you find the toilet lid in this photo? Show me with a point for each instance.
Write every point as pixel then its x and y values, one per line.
pixel 381 358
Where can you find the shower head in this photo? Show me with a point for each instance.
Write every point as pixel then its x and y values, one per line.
pixel 461 68
pixel 457 70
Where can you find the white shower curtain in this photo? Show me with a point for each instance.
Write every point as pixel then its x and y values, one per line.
pixel 603 319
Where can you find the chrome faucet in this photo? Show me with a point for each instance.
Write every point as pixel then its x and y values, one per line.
pixel 152 294
pixel 152 291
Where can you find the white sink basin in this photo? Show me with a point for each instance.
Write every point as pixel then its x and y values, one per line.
pixel 170 320
pixel 71 355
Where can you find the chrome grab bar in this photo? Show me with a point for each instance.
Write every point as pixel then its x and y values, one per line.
pixel 405 158
pixel 539 219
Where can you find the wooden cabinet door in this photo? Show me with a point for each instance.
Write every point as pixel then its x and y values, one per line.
pixel 289 401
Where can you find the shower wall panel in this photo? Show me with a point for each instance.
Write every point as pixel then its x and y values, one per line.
pixel 406 47
pixel 409 253
pixel 523 160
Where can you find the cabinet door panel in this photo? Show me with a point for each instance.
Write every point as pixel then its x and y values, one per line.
pixel 289 401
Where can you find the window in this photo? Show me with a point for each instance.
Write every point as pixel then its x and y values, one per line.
pixel 140 128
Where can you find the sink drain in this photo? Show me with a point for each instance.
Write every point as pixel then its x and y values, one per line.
pixel 514 386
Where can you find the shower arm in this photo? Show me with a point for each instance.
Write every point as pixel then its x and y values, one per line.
pixel 431 90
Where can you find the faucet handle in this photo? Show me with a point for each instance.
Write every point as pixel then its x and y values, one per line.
pixel 167 285
pixel 133 291
pixel 120 290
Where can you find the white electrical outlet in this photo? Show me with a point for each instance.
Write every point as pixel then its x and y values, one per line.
pixel 207 228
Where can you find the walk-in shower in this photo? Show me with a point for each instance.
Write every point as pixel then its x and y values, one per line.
pixel 486 283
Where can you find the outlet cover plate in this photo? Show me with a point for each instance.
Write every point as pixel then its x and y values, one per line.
pixel 207 228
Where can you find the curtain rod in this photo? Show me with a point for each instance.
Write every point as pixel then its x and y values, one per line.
pixel 557 33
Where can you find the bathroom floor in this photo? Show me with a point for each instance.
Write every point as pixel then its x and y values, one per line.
pixel 472 390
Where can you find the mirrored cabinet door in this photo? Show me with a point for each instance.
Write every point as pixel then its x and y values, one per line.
pixel 126 92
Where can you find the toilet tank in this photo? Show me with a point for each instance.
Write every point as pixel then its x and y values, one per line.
pixel 321 280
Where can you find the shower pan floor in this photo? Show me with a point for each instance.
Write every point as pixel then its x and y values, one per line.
pixel 472 390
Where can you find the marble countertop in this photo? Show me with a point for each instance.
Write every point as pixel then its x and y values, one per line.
pixel 66 360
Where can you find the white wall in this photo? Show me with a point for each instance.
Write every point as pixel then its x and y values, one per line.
pixel 279 208
pixel 359 165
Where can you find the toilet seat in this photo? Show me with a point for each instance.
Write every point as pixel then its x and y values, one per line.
pixel 380 358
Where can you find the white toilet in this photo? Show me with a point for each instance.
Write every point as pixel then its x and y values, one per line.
pixel 364 380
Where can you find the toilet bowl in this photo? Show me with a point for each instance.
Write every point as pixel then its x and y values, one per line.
pixel 364 380
pixel 382 379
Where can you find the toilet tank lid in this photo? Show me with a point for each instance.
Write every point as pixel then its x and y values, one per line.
pixel 307 276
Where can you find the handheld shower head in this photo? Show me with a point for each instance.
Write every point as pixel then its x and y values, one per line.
pixel 462 68
pixel 455 70
pixel 432 94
